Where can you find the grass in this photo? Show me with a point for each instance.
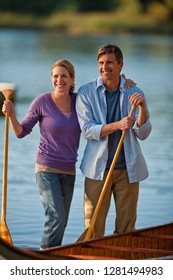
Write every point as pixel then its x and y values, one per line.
pixel 89 23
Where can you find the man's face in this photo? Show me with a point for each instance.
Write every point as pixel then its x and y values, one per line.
pixel 109 67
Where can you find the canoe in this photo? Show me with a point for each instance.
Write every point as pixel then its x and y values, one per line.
pixel 8 252
pixel 148 243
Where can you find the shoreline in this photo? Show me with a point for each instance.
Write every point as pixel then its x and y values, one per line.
pixel 58 30
pixel 88 23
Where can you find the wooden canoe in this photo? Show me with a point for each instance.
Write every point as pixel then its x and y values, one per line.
pixel 148 243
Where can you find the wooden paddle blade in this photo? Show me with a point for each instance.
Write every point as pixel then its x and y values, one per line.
pixel 4 86
pixel 8 93
pixel 83 236
pixel 4 233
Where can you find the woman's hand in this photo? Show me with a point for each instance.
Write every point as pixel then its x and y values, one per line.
pixel 129 83
pixel 137 99
pixel 8 107
pixel 16 126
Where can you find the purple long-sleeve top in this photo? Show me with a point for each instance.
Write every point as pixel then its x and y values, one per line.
pixel 59 135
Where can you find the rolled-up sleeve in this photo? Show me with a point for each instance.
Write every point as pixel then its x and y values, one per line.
pixel 91 129
pixel 143 131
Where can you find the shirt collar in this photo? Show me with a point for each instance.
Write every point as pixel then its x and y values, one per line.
pixel 99 83
pixel 122 82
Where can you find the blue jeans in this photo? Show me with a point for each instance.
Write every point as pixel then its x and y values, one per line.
pixel 56 192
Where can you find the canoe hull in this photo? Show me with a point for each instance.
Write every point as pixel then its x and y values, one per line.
pixel 155 242
pixel 149 243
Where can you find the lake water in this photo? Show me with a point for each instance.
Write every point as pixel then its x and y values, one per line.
pixel 25 59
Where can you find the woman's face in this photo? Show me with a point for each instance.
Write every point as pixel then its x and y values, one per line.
pixel 61 79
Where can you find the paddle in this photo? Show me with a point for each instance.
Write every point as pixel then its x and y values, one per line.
pixel 87 234
pixel 8 91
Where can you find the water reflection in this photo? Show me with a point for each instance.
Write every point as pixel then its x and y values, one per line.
pixel 25 59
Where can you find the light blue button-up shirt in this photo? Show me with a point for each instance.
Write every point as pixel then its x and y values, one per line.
pixel 92 110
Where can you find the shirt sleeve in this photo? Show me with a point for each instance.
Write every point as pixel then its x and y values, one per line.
pixel 89 127
pixel 31 118
pixel 143 131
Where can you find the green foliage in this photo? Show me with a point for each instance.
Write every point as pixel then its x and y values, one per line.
pixel 96 5
pixel 147 3
pixel 43 7
pixel 40 7
pixel 129 7
pixel 47 7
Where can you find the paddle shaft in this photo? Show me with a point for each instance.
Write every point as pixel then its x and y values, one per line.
pixel 106 183
pixel 5 169
pixel 4 232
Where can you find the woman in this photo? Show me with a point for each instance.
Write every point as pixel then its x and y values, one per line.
pixel 57 153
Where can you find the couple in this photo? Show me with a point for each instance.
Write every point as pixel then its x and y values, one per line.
pixel 100 110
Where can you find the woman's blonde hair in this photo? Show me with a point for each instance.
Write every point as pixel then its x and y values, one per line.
pixel 69 67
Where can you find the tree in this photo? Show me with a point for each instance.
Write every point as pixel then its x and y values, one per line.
pixel 96 5
pixel 38 7
pixel 146 3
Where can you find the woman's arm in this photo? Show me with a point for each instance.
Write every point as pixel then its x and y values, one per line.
pixel 16 126
pixel 138 99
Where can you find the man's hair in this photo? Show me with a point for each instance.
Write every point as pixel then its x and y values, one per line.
pixel 111 48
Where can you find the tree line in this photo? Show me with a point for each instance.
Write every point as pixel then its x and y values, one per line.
pixel 46 7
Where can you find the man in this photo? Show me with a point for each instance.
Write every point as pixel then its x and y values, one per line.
pixel 103 106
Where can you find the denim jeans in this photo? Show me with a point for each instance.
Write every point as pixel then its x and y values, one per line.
pixel 56 192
